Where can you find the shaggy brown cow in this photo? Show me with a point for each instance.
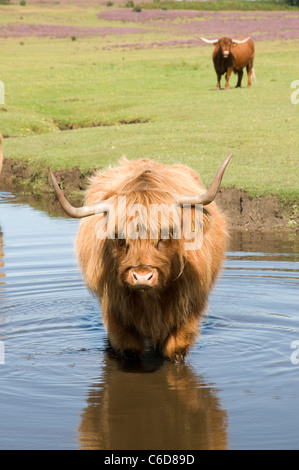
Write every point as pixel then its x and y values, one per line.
pixel 232 55
pixel 152 289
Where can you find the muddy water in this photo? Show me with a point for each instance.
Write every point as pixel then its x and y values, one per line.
pixel 60 389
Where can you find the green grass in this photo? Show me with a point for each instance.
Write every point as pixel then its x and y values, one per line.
pixel 51 12
pixel 52 84
pixel 219 5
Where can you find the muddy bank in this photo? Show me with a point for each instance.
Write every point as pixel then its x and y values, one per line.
pixel 244 213
pixel 264 213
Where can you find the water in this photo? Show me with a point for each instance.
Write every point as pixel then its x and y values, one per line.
pixel 60 389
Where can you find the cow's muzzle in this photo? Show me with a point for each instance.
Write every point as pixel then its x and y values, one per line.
pixel 144 277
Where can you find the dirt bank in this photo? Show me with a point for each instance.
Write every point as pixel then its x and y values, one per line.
pixel 263 213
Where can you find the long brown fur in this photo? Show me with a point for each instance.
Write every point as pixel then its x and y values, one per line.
pixel 165 316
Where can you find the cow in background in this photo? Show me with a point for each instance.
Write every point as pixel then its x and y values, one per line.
pixel 232 55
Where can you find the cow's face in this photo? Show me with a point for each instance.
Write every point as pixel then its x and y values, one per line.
pixel 225 46
pixel 147 264
pixel 149 251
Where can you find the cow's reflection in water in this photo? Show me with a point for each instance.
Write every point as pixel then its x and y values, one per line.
pixel 151 405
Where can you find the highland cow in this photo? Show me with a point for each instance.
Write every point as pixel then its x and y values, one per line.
pixel 232 55
pixel 152 290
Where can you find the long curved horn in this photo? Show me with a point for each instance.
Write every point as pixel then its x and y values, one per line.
pixel 209 196
pixel 209 41
pixel 238 41
pixel 1 154
pixel 78 212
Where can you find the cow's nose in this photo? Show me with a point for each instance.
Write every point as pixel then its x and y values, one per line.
pixel 143 279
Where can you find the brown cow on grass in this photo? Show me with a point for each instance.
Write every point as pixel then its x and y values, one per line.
pixel 232 55
pixel 152 289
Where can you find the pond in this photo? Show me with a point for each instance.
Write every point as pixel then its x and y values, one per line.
pixel 60 388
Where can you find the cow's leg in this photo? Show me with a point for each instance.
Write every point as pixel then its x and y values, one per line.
pixel 126 342
pixel 249 73
pixel 218 81
pixel 227 76
pixel 178 343
pixel 240 76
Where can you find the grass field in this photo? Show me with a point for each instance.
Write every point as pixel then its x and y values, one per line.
pixel 88 100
